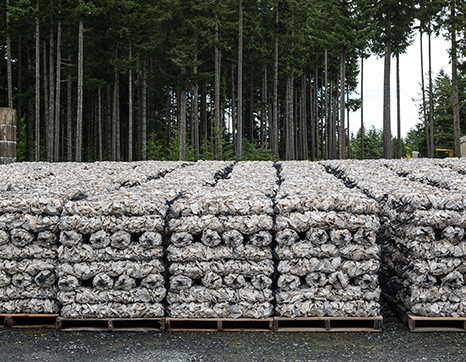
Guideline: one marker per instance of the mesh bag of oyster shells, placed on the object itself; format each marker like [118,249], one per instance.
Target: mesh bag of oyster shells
[219,252]
[423,249]
[431,172]
[325,242]
[115,270]
[28,260]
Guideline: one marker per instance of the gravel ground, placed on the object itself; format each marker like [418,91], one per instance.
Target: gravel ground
[395,343]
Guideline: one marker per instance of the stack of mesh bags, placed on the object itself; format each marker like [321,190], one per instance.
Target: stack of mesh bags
[456,164]
[424,249]
[219,236]
[325,243]
[29,215]
[431,172]
[111,254]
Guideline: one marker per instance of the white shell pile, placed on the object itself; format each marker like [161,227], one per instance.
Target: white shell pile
[109,261]
[456,164]
[230,240]
[325,241]
[219,243]
[424,251]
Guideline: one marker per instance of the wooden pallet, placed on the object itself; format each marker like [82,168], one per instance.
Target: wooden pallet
[218,325]
[329,324]
[28,320]
[429,324]
[111,324]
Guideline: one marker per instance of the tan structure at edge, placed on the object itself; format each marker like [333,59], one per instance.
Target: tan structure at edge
[463,146]
[7,135]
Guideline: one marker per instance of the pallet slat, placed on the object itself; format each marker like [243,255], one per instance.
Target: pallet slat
[329,324]
[28,320]
[429,324]
[111,324]
[218,325]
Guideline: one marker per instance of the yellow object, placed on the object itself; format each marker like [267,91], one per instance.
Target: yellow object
[451,152]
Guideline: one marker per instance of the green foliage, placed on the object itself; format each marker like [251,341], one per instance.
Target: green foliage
[156,149]
[255,152]
[443,116]
[392,21]
[373,144]
[395,148]
[211,147]
[416,141]
[168,34]
[174,150]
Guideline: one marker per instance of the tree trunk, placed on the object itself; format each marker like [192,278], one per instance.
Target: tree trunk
[79,108]
[291,149]
[333,121]
[56,150]
[138,102]
[398,106]
[296,124]
[263,128]
[341,128]
[167,121]
[130,104]
[195,113]
[117,119]
[304,147]
[290,129]
[431,96]
[239,140]
[251,106]
[37,125]
[114,108]
[46,98]
[222,122]
[322,124]
[348,143]
[8,59]
[182,106]
[30,111]
[218,109]
[144,111]
[69,152]
[313,102]
[233,107]
[51,119]
[108,121]
[217,123]
[99,97]
[326,111]
[274,128]
[387,134]
[454,84]
[20,92]
[362,107]
[424,113]
[203,113]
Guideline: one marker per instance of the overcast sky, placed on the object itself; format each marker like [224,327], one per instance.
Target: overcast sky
[410,80]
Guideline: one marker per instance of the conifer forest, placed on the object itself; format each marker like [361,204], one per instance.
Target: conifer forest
[128,80]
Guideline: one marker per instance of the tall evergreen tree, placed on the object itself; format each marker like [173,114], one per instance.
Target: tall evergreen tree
[393,21]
